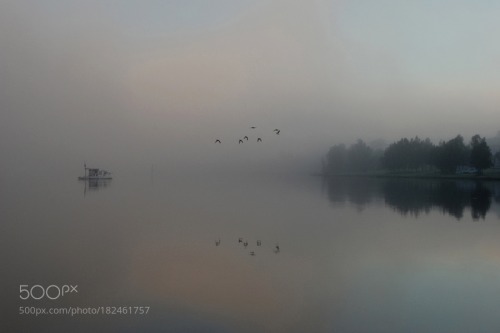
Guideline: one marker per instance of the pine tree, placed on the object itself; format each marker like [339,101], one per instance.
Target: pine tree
[480,155]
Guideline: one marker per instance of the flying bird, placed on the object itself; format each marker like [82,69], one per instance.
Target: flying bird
[217,242]
[217,141]
[259,140]
[245,137]
[241,141]
[278,132]
[253,127]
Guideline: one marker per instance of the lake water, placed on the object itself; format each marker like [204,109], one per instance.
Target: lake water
[355,254]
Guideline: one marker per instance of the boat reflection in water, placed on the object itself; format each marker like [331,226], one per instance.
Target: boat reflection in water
[93,185]
[416,196]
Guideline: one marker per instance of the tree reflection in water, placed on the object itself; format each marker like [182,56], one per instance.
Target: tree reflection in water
[414,196]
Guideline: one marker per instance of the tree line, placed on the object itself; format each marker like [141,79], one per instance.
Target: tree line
[412,154]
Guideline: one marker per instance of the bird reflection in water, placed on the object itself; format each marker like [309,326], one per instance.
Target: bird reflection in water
[276,249]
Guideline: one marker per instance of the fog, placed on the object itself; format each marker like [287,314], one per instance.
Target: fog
[135,85]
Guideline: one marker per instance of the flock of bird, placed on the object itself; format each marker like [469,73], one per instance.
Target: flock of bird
[259,139]
[243,242]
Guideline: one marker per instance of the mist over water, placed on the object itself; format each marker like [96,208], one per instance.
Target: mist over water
[143,89]
[349,248]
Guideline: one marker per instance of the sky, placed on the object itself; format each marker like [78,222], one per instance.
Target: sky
[145,83]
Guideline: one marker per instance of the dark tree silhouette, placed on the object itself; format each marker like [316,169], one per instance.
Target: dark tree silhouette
[408,154]
[336,159]
[411,155]
[360,156]
[480,154]
[449,155]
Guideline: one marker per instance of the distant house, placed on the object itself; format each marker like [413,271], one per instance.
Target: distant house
[466,170]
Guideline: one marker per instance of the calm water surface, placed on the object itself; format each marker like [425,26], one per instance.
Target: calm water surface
[355,255]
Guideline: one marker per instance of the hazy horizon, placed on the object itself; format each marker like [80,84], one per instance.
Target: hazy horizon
[239,237]
[155,83]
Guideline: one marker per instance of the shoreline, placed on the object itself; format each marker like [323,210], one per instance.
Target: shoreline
[488,176]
